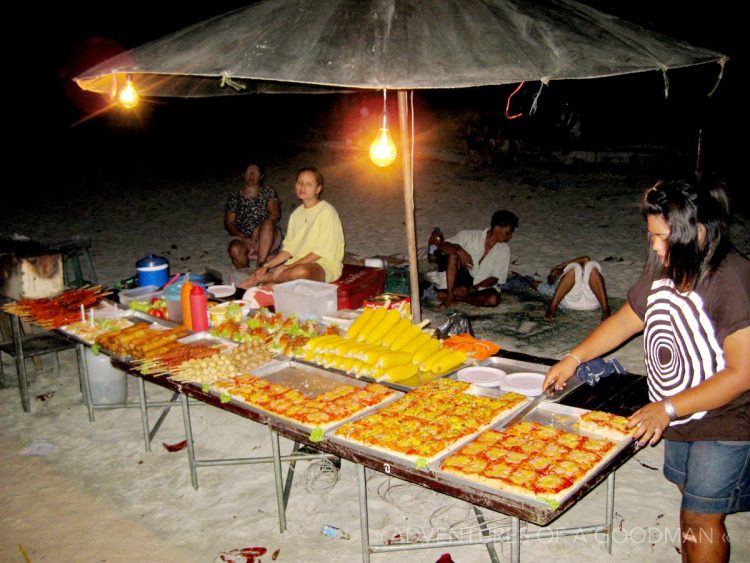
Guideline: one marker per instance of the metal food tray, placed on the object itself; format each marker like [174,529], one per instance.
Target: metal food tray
[63,330]
[548,414]
[205,338]
[395,456]
[311,381]
[138,317]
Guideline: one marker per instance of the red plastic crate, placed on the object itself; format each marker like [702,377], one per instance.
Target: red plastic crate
[358,283]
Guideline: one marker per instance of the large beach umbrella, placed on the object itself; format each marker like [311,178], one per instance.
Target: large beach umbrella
[402,45]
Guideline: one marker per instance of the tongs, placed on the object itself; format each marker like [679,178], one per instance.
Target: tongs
[549,395]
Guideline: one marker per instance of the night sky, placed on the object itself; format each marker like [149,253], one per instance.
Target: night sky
[620,111]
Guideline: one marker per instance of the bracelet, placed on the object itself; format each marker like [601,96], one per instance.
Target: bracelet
[576,358]
[669,408]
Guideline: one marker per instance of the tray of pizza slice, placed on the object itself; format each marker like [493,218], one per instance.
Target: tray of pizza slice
[305,396]
[545,458]
[429,421]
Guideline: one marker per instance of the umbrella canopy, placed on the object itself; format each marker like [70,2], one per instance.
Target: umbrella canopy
[333,45]
[284,45]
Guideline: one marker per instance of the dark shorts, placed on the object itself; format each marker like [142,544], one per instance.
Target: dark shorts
[463,277]
[715,475]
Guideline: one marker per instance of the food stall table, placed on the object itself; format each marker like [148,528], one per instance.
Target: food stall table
[621,395]
[143,404]
[23,346]
[187,391]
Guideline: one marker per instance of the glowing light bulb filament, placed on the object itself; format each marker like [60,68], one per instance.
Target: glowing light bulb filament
[129,97]
[383,149]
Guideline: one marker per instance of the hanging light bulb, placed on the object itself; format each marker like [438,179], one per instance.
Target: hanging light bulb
[382,149]
[129,97]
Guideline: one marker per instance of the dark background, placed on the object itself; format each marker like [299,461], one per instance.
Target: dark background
[627,111]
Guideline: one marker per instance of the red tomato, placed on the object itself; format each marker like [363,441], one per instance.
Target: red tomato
[154,300]
[159,313]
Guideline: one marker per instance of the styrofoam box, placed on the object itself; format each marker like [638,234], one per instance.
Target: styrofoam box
[144,293]
[305,298]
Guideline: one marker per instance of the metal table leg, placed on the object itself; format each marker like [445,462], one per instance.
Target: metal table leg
[144,412]
[290,476]
[83,376]
[189,437]
[485,532]
[23,383]
[275,448]
[515,539]
[610,510]
[364,523]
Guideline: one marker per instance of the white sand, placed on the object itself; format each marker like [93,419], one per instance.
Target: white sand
[100,497]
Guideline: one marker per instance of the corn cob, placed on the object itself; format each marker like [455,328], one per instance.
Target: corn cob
[367,353]
[328,361]
[398,373]
[353,351]
[329,346]
[398,329]
[375,319]
[341,348]
[416,343]
[448,362]
[405,337]
[308,355]
[393,359]
[346,364]
[426,350]
[356,327]
[359,368]
[429,362]
[313,343]
[372,354]
[392,316]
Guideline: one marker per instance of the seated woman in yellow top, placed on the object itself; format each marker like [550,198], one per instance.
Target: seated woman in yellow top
[313,248]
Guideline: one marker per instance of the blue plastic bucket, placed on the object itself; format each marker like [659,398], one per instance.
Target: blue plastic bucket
[152,270]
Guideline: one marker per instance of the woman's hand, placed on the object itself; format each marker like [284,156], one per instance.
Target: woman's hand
[277,271]
[559,374]
[650,422]
[255,278]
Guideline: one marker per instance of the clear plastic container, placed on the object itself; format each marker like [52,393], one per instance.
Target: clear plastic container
[144,293]
[305,298]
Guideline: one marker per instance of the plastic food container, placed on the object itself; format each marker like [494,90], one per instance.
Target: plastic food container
[144,293]
[305,298]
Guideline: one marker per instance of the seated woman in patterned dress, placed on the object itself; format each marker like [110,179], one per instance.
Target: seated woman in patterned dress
[251,217]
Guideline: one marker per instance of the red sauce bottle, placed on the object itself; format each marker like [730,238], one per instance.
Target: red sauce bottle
[198,308]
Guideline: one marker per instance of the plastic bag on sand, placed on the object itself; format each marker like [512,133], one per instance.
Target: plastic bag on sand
[457,323]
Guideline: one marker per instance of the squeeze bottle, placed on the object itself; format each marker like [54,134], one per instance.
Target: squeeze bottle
[185,303]
[198,308]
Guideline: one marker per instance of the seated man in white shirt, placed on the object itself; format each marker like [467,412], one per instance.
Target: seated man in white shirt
[477,260]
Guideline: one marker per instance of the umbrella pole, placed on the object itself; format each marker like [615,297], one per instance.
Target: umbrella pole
[409,224]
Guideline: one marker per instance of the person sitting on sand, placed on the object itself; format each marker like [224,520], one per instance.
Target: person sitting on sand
[251,216]
[313,248]
[476,260]
[575,284]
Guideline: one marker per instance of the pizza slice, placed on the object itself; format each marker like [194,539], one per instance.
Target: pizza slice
[605,424]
